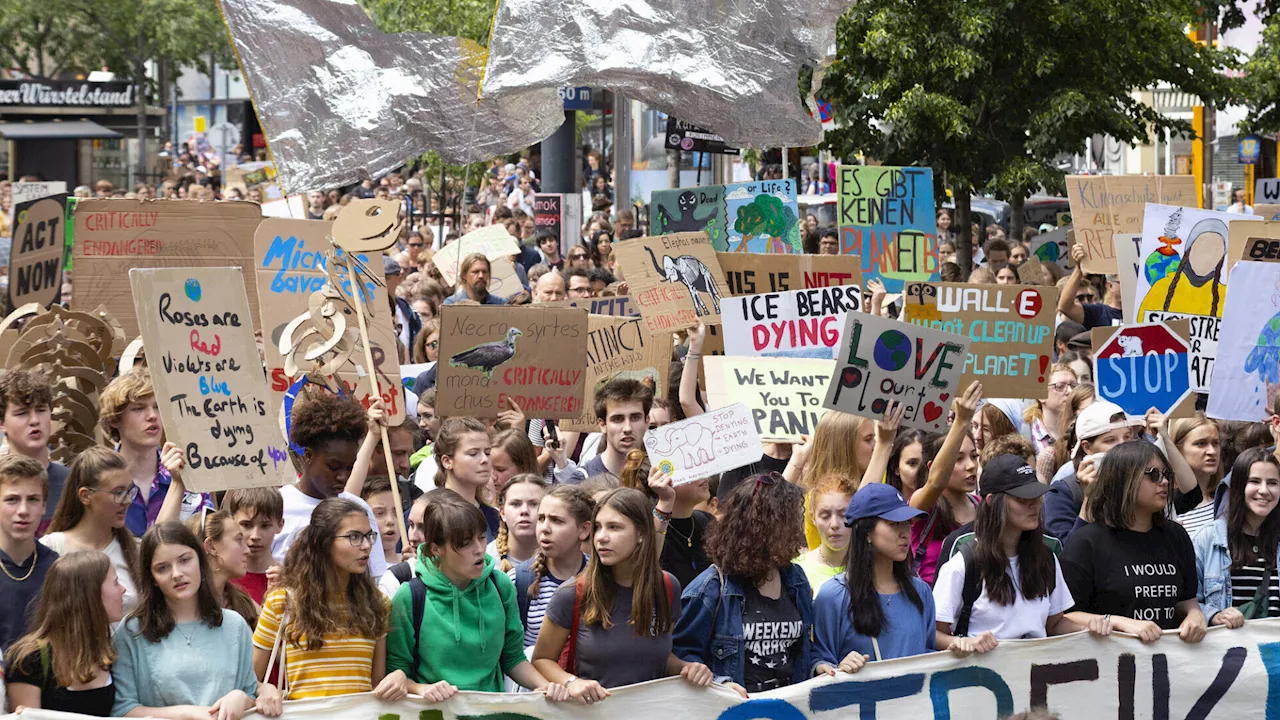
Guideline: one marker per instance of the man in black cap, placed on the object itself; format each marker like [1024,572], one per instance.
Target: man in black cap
[1007,474]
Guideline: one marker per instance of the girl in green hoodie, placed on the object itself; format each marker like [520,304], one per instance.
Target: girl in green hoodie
[469,633]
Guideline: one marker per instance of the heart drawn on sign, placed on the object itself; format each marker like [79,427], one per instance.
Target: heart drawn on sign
[943,397]
[931,412]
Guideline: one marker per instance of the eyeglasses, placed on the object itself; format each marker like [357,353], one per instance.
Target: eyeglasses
[1086,297]
[359,539]
[1063,387]
[415,244]
[122,496]
[1155,475]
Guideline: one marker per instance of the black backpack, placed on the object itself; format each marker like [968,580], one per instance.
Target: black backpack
[418,592]
[973,590]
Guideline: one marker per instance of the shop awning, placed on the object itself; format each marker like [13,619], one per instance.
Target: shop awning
[70,130]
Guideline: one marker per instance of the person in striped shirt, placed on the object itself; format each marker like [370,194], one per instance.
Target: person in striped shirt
[328,647]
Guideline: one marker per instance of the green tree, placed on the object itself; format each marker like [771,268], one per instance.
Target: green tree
[470,19]
[985,89]
[765,215]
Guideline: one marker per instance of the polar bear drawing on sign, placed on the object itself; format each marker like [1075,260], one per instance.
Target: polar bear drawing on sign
[1132,345]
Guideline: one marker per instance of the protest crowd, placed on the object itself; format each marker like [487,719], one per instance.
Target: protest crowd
[571,563]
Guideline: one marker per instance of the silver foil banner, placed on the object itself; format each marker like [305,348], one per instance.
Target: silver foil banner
[727,65]
[336,96]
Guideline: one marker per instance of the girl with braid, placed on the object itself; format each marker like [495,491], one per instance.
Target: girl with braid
[518,502]
[564,524]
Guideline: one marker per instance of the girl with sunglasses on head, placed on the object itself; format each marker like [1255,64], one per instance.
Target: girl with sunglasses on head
[64,663]
[181,656]
[1236,572]
[1131,569]
[91,514]
[617,618]
[749,617]
[326,622]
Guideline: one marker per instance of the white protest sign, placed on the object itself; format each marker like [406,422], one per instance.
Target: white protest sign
[1247,369]
[1053,247]
[1127,270]
[882,360]
[1204,342]
[797,324]
[492,241]
[784,394]
[1266,191]
[1184,260]
[1076,677]
[705,445]
[27,191]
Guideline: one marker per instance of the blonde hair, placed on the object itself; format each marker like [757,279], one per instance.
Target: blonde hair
[119,395]
[834,448]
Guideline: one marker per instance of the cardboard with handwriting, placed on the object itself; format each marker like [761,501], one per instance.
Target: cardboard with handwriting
[289,266]
[1010,329]
[784,394]
[705,445]
[675,279]
[752,273]
[533,355]
[1255,241]
[198,330]
[114,236]
[492,241]
[619,305]
[620,347]
[35,254]
[1106,204]
[798,323]
[882,360]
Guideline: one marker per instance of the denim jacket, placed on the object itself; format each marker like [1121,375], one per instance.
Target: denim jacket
[710,627]
[1213,568]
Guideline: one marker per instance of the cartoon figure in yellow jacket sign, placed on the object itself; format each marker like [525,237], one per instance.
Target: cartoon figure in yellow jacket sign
[1183,266]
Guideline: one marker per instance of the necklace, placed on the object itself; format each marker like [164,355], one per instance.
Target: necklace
[35,555]
[687,538]
[187,637]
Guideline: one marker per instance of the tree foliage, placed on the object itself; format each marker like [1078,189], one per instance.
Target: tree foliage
[469,19]
[990,91]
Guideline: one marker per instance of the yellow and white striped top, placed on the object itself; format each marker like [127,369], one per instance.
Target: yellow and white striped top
[343,665]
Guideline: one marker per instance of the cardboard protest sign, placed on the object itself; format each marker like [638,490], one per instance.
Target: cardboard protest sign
[1128,268]
[35,255]
[1247,369]
[1183,260]
[198,331]
[289,265]
[620,305]
[752,273]
[1266,191]
[492,354]
[114,236]
[675,279]
[784,394]
[1143,366]
[1203,331]
[1256,242]
[21,192]
[705,445]
[1106,204]
[1009,327]
[882,360]
[620,347]
[503,280]
[762,217]
[1270,213]
[797,324]
[699,209]
[887,218]
[1053,246]
[492,241]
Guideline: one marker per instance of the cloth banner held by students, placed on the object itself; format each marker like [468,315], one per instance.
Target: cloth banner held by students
[1078,676]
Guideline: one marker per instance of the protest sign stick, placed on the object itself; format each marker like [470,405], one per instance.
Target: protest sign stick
[371,376]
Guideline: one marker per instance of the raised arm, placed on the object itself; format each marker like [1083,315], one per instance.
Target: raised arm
[886,432]
[940,469]
[1068,305]
[689,378]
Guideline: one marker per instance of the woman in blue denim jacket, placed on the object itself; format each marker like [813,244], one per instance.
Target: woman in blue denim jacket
[749,617]
[1237,553]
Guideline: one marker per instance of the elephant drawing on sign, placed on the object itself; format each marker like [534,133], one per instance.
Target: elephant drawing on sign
[693,274]
[686,441]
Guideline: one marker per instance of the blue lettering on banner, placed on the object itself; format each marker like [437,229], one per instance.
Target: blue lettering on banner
[942,683]
[288,256]
[762,709]
[864,694]
[1270,654]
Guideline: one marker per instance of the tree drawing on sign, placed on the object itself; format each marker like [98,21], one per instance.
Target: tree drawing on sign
[690,272]
[767,215]
[684,441]
[688,220]
[488,356]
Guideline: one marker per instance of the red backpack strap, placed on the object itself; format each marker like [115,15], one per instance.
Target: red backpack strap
[671,590]
[569,656]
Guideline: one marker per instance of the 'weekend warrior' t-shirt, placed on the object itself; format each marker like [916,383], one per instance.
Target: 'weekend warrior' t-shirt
[771,630]
[1141,575]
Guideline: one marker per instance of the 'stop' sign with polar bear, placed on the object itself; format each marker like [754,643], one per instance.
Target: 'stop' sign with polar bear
[1143,366]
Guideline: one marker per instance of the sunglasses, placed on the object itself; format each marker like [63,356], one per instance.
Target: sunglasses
[577,256]
[1086,297]
[1155,475]
[415,244]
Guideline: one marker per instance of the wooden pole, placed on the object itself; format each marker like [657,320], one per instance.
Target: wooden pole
[373,390]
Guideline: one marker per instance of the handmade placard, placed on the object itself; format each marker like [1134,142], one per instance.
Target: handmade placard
[705,445]
[1256,242]
[619,305]
[1184,260]
[1105,204]
[784,394]
[887,218]
[533,355]
[1203,338]
[1053,246]
[290,265]
[1247,369]
[881,360]
[35,255]
[198,330]
[797,324]
[762,217]
[492,241]
[1009,327]
[1143,366]
[675,279]
[620,347]
[1128,267]
[752,273]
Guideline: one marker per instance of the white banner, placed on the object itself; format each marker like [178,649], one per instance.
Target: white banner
[1078,676]
[797,324]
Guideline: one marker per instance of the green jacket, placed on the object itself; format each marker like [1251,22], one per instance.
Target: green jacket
[423,453]
[469,637]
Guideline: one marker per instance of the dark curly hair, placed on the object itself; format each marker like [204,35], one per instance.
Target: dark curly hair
[761,528]
[25,388]
[323,417]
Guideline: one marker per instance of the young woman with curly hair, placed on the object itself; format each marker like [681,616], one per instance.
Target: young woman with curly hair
[750,616]
[332,439]
[64,663]
[179,655]
[327,621]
